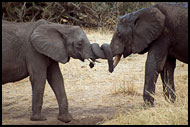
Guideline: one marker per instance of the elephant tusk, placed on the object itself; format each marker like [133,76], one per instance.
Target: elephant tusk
[97,61]
[91,61]
[116,60]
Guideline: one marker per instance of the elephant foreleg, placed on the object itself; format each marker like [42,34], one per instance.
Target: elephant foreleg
[151,75]
[154,65]
[56,82]
[167,76]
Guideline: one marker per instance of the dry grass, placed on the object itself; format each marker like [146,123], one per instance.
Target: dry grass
[96,96]
[127,88]
[164,113]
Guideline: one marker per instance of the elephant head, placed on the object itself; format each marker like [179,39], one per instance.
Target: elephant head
[135,32]
[60,42]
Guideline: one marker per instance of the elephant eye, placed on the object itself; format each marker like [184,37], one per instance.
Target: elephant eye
[118,34]
[79,44]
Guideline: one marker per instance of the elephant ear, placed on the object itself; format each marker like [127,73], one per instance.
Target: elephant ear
[148,25]
[47,40]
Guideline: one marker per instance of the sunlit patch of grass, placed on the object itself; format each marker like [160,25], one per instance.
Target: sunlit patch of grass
[160,115]
[164,112]
[127,88]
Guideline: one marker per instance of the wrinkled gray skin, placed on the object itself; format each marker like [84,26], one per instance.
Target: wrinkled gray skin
[104,52]
[34,49]
[162,31]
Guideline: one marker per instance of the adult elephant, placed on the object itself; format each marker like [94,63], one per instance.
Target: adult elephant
[160,30]
[34,49]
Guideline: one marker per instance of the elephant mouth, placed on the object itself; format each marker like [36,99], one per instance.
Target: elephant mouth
[92,62]
[117,57]
[127,51]
[79,56]
[81,59]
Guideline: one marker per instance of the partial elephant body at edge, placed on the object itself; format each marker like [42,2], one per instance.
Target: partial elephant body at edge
[160,30]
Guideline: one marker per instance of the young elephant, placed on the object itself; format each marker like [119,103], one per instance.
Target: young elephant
[162,31]
[34,49]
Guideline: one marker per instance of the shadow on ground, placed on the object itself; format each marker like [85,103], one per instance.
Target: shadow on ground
[81,116]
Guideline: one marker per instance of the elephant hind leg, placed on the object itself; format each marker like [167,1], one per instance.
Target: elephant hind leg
[38,85]
[37,70]
[167,76]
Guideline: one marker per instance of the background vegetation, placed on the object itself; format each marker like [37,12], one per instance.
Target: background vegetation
[85,14]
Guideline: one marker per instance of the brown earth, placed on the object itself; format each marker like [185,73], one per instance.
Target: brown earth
[94,95]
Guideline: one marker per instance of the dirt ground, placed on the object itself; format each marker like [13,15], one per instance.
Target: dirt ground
[94,95]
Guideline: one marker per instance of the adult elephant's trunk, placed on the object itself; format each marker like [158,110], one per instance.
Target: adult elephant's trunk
[104,52]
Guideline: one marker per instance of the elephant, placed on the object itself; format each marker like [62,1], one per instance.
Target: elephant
[161,31]
[34,49]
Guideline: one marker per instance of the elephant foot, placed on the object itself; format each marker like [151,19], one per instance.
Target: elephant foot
[149,105]
[148,101]
[65,117]
[170,97]
[38,117]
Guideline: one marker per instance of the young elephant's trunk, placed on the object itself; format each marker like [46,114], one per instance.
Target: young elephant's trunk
[104,52]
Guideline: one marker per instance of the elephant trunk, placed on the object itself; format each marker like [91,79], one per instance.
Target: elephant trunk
[104,52]
[99,53]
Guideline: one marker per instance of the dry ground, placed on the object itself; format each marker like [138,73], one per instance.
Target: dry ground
[98,97]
